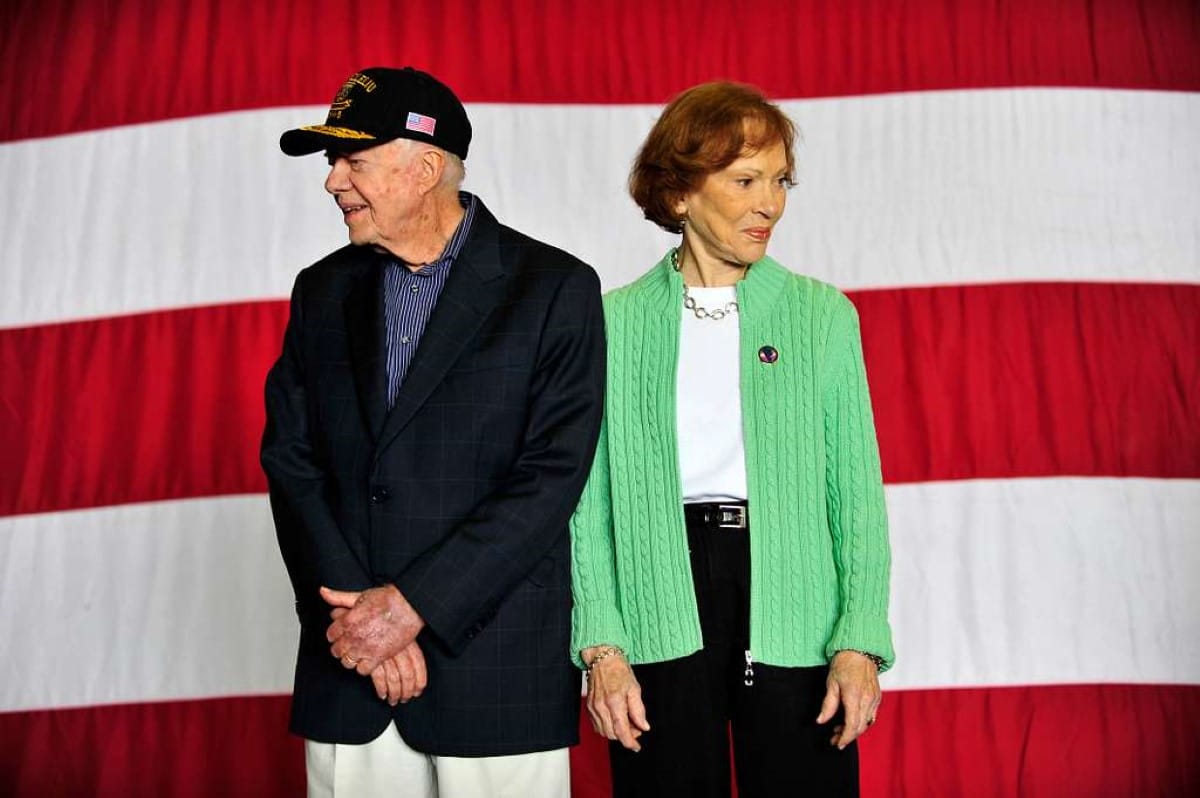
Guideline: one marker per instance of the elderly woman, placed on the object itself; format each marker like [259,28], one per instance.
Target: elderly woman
[730,550]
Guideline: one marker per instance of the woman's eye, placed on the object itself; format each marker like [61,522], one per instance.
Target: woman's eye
[744,182]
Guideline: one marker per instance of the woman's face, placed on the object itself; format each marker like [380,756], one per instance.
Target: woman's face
[731,215]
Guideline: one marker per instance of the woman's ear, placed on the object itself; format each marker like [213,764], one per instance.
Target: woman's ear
[681,207]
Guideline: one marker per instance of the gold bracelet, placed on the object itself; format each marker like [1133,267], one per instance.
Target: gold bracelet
[607,651]
[875,658]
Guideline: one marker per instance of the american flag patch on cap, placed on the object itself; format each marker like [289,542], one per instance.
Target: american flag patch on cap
[420,123]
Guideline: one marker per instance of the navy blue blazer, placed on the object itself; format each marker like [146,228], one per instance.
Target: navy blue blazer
[460,495]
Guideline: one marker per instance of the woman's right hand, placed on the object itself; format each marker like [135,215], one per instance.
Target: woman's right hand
[614,699]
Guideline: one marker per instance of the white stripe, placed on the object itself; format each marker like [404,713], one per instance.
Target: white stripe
[1042,581]
[144,602]
[903,189]
[1001,582]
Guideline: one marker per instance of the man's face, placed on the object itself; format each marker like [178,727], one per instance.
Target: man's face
[376,190]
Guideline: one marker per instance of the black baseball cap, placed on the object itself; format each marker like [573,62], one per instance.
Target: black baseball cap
[380,104]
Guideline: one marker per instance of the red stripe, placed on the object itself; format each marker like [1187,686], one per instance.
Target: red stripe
[234,747]
[1054,741]
[1035,742]
[70,65]
[1028,380]
[968,381]
[161,405]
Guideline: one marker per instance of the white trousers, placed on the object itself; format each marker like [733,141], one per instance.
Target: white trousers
[386,767]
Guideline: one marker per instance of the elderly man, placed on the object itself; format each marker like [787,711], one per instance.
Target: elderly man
[430,425]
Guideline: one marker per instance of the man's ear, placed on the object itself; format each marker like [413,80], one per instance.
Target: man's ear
[432,164]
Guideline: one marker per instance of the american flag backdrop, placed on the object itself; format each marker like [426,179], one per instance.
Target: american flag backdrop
[1008,189]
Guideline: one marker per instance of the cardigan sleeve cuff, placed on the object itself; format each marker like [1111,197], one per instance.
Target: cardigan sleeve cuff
[863,633]
[596,623]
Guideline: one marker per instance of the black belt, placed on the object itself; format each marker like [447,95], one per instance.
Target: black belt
[717,515]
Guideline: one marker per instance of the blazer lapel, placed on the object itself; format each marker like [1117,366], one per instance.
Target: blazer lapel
[465,301]
[364,327]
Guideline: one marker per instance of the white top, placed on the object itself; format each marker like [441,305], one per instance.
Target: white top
[712,451]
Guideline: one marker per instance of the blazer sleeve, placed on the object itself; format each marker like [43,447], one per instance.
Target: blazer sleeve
[854,489]
[313,548]
[457,585]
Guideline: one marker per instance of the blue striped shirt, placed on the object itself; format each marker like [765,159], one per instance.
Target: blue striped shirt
[409,298]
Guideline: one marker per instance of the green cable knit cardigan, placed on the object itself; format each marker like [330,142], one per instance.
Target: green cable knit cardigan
[819,556]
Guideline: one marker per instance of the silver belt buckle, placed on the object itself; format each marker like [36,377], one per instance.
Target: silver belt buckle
[733,516]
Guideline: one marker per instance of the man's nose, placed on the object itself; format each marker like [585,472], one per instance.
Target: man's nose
[336,181]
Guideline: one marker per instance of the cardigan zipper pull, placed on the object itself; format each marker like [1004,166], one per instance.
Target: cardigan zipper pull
[749,675]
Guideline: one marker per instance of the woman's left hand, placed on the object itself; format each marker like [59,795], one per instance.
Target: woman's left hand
[853,683]
[614,699]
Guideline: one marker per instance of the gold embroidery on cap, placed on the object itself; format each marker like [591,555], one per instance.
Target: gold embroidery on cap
[339,132]
[342,101]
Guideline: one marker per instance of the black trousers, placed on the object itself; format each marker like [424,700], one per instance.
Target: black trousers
[696,704]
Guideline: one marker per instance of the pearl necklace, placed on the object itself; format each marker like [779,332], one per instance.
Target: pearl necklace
[689,302]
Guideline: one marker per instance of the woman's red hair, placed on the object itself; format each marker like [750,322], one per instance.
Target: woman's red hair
[702,131]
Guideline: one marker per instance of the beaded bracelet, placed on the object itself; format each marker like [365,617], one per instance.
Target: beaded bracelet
[878,660]
[607,651]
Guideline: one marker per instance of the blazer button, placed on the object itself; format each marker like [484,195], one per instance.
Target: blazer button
[379,494]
